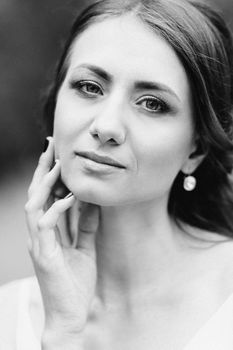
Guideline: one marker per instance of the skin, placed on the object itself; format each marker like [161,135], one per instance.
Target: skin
[114,121]
[126,129]
[121,273]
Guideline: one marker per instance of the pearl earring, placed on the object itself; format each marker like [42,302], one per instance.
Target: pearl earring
[189,183]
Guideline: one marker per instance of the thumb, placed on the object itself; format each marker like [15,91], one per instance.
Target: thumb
[87,228]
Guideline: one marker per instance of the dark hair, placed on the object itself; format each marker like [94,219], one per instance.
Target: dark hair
[202,41]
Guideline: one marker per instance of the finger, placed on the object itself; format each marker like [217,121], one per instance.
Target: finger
[72,217]
[44,165]
[57,235]
[50,218]
[46,243]
[32,218]
[43,191]
[34,208]
[47,224]
[33,247]
[87,228]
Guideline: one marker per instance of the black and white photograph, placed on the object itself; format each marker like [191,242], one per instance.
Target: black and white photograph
[116,181]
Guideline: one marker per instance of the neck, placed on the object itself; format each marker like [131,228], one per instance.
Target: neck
[135,245]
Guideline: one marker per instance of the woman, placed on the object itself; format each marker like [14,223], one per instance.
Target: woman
[140,125]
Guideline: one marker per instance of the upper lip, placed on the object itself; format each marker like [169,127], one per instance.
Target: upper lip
[101,159]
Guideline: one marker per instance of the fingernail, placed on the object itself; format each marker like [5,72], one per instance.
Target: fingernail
[46,143]
[29,243]
[56,163]
[69,195]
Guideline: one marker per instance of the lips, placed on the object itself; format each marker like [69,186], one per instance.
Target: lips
[101,159]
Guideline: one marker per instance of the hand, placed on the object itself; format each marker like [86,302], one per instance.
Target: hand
[66,276]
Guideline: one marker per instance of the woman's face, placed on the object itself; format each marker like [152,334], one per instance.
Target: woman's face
[126,96]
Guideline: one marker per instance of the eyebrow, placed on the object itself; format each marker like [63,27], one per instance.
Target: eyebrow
[138,85]
[97,70]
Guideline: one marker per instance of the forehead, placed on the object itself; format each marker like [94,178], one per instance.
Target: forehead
[128,49]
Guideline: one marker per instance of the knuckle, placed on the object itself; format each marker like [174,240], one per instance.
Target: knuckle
[41,263]
[56,208]
[42,159]
[57,205]
[30,191]
[42,224]
[48,180]
[45,178]
[28,208]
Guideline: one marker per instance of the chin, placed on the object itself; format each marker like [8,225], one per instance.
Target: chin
[91,195]
[95,198]
[94,193]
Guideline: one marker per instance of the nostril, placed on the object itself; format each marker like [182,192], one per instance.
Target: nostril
[112,140]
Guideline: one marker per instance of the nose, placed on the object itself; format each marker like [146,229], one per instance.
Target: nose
[108,124]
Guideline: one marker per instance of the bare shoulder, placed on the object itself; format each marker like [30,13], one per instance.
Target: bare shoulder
[18,298]
[212,254]
[15,293]
[217,255]
[224,259]
[10,292]
[9,306]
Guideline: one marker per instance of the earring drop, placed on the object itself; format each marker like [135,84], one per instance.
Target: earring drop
[189,183]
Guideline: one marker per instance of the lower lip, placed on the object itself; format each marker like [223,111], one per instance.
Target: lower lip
[99,168]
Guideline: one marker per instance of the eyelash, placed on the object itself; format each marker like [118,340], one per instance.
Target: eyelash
[163,107]
[78,85]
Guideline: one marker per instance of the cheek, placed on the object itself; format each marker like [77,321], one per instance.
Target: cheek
[162,154]
[68,123]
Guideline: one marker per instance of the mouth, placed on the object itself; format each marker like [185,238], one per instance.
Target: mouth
[101,159]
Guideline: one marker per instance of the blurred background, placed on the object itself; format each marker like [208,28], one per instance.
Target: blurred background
[32,33]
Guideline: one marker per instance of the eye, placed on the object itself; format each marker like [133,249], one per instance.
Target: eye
[88,88]
[153,104]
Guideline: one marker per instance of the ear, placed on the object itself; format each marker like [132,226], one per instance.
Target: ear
[195,158]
